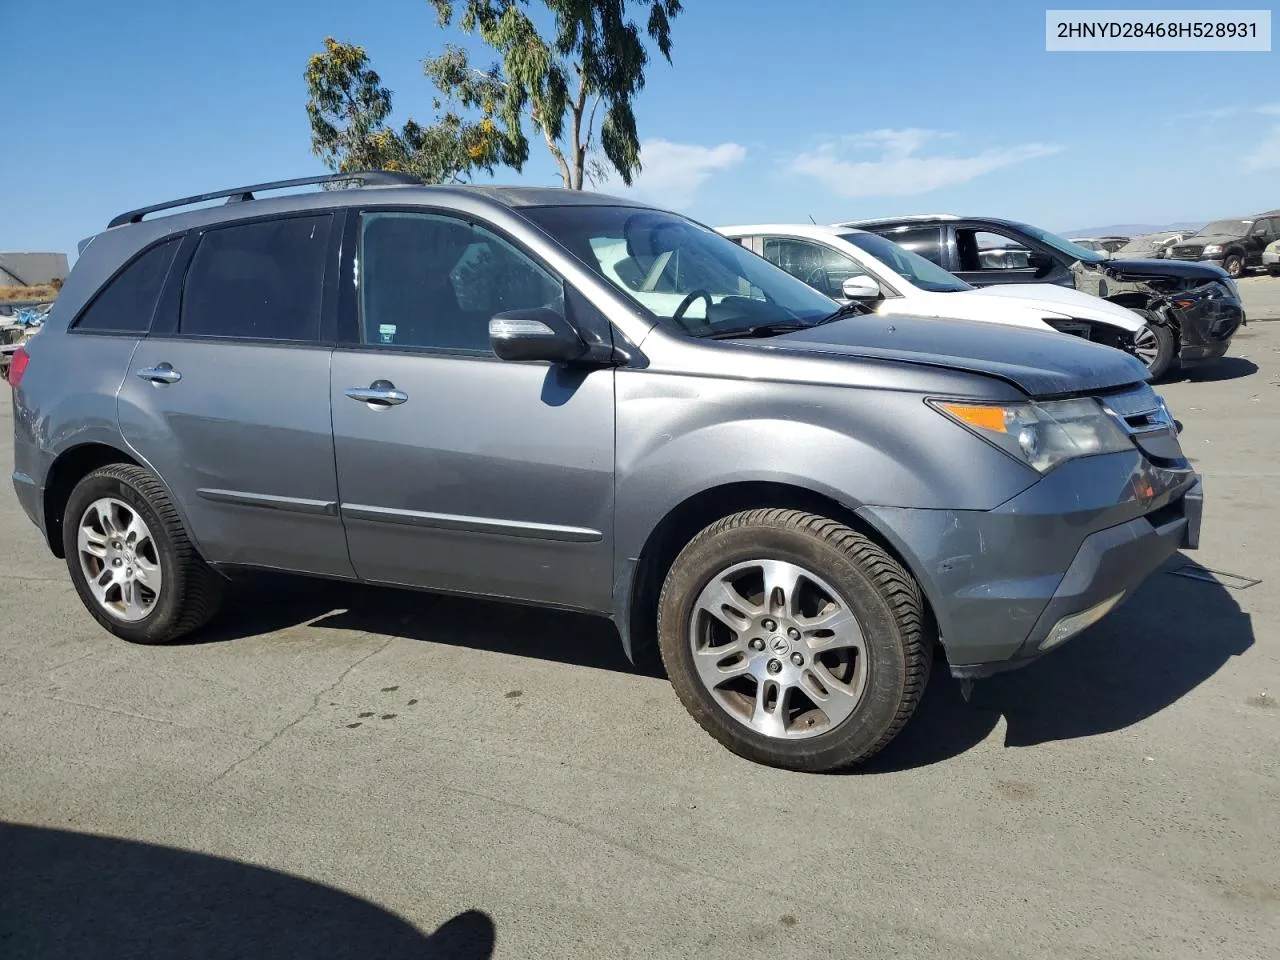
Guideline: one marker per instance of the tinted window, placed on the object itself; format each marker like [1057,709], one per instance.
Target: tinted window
[922,241]
[259,281]
[431,281]
[817,265]
[127,302]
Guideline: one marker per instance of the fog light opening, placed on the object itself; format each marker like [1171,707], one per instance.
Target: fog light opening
[1069,626]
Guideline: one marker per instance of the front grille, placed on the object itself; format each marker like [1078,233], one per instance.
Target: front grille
[1185,253]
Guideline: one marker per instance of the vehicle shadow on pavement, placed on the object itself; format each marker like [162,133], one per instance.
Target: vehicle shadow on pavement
[1167,639]
[263,603]
[1225,368]
[65,894]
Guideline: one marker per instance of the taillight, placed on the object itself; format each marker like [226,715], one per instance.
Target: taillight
[18,366]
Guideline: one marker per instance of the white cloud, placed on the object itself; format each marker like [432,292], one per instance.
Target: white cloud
[1223,113]
[899,169]
[1266,155]
[671,173]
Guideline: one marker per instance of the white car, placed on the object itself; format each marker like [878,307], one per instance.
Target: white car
[849,264]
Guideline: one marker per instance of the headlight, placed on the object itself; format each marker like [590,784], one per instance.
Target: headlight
[1041,435]
[1212,249]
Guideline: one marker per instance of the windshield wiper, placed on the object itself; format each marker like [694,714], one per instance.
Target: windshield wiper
[851,309]
[758,330]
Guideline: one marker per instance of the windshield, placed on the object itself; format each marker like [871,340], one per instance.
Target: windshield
[923,273]
[1073,250]
[1230,228]
[664,263]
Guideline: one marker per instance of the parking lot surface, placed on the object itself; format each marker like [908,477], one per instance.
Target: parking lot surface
[336,771]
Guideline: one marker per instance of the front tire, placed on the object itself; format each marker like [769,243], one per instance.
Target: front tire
[131,561]
[1157,347]
[1233,263]
[793,640]
[1273,269]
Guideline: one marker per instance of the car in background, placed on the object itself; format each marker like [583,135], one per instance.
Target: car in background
[1235,244]
[1103,245]
[1194,308]
[855,265]
[1149,246]
[1271,258]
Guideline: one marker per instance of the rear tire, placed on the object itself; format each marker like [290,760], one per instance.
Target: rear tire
[843,656]
[131,561]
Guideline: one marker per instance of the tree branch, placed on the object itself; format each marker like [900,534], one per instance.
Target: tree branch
[554,147]
[579,151]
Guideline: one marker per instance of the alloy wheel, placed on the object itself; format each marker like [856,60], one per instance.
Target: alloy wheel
[778,648]
[119,558]
[1146,346]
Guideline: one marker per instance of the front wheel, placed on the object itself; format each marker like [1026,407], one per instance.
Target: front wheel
[1233,263]
[1273,269]
[131,561]
[793,640]
[1156,346]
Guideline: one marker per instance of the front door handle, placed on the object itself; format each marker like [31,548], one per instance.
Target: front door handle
[380,393]
[161,373]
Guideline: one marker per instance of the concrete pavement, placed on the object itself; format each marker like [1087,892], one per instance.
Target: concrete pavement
[334,771]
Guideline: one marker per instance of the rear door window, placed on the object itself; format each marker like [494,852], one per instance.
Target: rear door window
[258,281]
[127,303]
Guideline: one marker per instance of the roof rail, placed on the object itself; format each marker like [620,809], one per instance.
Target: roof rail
[239,194]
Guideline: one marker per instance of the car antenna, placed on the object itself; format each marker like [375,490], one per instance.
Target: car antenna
[813,221]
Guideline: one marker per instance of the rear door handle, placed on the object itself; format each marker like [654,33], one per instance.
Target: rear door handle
[162,373]
[381,393]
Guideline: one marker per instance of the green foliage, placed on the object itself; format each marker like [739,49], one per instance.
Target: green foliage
[594,54]
[348,108]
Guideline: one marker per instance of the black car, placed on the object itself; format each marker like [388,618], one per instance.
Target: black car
[1234,244]
[1192,309]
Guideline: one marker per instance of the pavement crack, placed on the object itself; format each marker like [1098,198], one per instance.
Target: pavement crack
[315,702]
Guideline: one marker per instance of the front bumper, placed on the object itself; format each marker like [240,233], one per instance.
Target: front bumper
[1207,325]
[1000,581]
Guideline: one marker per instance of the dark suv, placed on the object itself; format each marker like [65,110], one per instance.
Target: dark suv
[1235,245]
[576,401]
[1193,309]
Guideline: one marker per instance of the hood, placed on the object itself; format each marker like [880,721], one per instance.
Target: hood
[1203,239]
[1046,298]
[1040,363]
[1181,269]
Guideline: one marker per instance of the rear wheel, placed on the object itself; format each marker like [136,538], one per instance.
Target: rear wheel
[131,561]
[1233,263]
[1156,346]
[793,640]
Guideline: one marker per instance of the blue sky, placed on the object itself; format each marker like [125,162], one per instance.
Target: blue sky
[771,111]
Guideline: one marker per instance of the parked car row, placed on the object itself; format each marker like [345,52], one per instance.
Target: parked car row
[1166,314]
[1235,244]
[584,402]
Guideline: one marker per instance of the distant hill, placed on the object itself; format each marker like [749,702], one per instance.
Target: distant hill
[1130,229]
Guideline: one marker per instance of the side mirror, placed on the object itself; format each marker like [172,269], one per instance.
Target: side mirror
[860,288]
[540,333]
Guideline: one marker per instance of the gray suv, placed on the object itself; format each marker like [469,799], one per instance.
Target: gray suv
[583,402]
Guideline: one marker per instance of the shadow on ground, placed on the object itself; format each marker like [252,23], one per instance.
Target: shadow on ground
[65,894]
[1166,640]
[1224,368]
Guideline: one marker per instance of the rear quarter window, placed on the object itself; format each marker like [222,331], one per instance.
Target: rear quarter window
[128,301]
